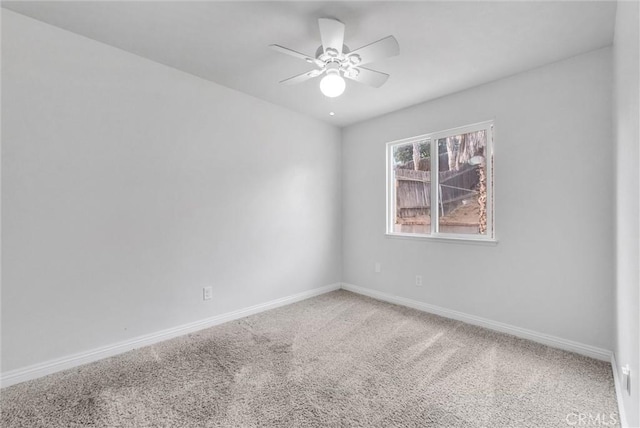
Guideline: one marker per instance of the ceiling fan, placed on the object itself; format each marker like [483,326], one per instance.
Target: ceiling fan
[334,59]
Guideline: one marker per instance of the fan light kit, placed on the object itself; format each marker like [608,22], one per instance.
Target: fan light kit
[332,85]
[336,62]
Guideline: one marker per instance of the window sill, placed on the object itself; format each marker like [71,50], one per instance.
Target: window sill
[449,239]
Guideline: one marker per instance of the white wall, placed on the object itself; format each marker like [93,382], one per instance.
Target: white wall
[627,138]
[552,270]
[127,186]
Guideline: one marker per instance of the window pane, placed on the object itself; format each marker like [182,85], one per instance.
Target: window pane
[411,164]
[462,183]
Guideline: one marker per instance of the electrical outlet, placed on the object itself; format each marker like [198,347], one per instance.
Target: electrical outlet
[626,378]
[207,293]
[418,280]
[378,268]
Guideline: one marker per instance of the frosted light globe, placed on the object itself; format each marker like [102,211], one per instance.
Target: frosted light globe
[332,85]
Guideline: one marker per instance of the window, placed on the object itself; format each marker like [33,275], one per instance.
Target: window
[456,166]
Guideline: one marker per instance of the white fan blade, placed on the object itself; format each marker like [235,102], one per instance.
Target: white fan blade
[375,51]
[332,34]
[301,77]
[369,77]
[307,58]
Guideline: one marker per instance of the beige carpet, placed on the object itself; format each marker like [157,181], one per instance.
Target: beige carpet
[337,360]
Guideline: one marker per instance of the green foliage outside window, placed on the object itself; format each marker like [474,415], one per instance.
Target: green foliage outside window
[404,154]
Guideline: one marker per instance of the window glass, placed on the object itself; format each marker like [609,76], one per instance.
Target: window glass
[411,166]
[462,183]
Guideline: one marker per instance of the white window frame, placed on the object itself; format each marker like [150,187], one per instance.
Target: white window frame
[490,236]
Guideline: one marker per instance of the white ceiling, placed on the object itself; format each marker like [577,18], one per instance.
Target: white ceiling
[445,47]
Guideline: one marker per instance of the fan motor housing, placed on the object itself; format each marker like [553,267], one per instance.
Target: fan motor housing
[320,51]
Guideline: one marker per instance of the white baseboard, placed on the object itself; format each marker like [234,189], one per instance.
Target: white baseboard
[619,391]
[48,367]
[42,369]
[554,342]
